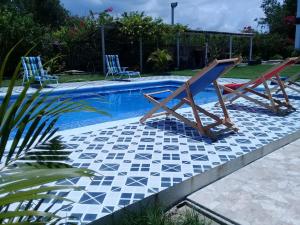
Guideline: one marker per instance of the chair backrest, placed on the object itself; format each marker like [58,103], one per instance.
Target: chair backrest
[32,66]
[113,63]
[207,76]
[275,70]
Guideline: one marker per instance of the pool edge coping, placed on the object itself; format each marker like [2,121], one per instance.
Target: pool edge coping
[94,84]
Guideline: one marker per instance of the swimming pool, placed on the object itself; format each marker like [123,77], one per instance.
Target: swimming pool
[120,101]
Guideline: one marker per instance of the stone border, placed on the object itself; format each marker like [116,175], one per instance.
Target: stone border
[173,195]
[220,219]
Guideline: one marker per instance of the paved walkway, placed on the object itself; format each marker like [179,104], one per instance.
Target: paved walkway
[264,192]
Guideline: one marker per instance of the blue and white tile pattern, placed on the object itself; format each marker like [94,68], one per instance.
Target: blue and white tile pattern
[134,160]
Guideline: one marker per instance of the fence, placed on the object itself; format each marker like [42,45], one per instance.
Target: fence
[189,50]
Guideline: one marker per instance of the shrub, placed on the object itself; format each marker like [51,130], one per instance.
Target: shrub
[277,57]
[160,60]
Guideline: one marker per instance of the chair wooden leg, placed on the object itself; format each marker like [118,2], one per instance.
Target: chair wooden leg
[152,111]
[233,94]
[177,106]
[282,89]
[221,100]
[270,97]
[157,104]
[249,98]
[195,111]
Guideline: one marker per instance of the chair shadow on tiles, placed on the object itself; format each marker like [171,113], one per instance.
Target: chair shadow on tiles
[293,97]
[257,110]
[171,126]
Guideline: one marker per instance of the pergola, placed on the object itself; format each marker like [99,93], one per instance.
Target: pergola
[230,37]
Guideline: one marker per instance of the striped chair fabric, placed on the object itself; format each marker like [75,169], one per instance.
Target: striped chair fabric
[114,68]
[33,69]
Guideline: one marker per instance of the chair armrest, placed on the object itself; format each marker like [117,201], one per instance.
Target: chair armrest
[112,68]
[46,74]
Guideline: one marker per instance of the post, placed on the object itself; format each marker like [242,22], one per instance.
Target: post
[206,53]
[141,54]
[173,6]
[251,48]
[103,49]
[230,47]
[206,49]
[297,37]
[178,50]
[172,15]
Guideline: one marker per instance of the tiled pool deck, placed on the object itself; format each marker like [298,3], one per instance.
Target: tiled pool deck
[135,161]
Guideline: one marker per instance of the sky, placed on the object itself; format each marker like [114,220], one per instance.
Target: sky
[216,15]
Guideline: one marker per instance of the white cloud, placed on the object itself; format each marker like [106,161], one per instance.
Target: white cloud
[219,15]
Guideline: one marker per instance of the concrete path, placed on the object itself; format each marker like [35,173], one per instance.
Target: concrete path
[264,192]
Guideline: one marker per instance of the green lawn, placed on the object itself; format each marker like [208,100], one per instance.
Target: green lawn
[247,72]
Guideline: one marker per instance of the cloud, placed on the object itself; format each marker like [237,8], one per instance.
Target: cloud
[219,15]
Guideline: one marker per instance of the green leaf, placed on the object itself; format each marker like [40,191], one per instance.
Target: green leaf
[36,177]
[3,65]
[23,196]
[27,223]
[12,214]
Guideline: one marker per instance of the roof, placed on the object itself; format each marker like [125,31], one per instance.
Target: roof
[220,33]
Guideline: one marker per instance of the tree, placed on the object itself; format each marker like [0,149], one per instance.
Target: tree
[279,21]
[48,12]
[136,25]
[279,17]
[45,12]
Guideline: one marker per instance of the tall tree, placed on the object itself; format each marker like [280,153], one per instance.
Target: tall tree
[279,17]
[49,12]
[45,12]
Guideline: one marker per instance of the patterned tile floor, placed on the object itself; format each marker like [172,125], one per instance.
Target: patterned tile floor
[134,161]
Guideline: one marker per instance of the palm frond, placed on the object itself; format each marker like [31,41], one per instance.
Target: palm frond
[33,159]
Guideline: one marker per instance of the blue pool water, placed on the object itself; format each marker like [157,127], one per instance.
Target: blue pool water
[120,101]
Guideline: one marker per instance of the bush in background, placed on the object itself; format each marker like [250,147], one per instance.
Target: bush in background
[160,60]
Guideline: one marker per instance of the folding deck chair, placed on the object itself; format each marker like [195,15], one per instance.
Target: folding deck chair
[114,68]
[236,91]
[33,69]
[186,94]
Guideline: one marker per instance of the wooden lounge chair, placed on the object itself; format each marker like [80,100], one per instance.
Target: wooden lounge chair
[185,94]
[236,91]
[33,70]
[114,68]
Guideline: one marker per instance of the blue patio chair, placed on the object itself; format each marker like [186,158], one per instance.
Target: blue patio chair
[114,68]
[185,94]
[33,70]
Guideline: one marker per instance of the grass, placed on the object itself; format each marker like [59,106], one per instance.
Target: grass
[246,72]
[156,216]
